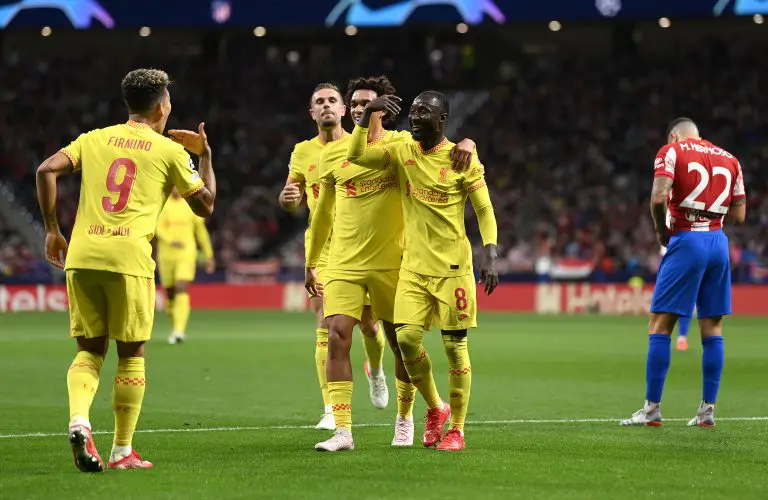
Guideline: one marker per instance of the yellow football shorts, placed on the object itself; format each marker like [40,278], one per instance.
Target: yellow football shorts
[345,293]
[175,269]
[450,303]
[103,303]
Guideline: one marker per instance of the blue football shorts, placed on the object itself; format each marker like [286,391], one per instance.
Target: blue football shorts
[696,271]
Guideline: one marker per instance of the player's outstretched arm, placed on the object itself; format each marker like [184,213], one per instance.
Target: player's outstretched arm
[47,174]
[662,185]
[358,152]
[202,201]
[486,219]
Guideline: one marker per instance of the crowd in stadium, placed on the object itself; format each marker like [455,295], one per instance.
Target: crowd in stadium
[568,141]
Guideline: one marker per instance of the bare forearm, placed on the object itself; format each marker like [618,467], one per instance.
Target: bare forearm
[46,197]
[490,251]
[659,213]
[207,175]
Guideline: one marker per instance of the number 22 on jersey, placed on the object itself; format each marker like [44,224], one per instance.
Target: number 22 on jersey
[717,207]
[120,179]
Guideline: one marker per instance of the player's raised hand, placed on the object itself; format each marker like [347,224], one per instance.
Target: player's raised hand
[489,277]
[194,142]
[389,104]
[56,249]
[310,281]
[461,155]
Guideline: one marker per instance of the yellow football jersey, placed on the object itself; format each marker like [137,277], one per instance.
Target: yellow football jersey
[304,169]
[434,197]
[180,231]
[127,174]
[368,222]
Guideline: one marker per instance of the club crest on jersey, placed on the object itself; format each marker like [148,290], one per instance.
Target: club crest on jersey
[345,164]
[410,162]
[312,168]
[443,175]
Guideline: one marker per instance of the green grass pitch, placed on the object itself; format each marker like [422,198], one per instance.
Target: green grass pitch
[229,415]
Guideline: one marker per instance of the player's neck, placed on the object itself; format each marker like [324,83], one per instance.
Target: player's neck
[330,135]
[427,143]
[146,121]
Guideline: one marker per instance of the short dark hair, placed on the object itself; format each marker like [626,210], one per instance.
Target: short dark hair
[322,86]
[379,84]
[677,122]
[442,99]
[144,88]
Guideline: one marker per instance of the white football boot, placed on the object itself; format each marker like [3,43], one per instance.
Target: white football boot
[403,432]
[650,415]
[340,441]
[705,416]
[377,385]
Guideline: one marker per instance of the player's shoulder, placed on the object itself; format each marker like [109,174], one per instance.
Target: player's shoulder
[308,146]
[396,136]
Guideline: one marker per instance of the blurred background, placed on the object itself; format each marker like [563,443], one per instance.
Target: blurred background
[568,101]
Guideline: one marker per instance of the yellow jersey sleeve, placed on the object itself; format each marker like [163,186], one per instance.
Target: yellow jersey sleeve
[183,174]
[74,151]
[373,157]
[321,222]
[477,190]
[296,166]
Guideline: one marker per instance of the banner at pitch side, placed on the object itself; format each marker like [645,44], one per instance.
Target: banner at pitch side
[548,298]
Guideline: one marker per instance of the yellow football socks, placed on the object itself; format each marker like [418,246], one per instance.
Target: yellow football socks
[180,312]
[417,363]
[321,355]
[127,396]
[460,380]
[82,383]
[374,343]
[341,402]
[406,395]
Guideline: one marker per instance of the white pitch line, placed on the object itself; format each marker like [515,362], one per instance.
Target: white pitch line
[298,427]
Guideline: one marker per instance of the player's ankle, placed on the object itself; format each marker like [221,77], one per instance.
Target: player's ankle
[80,421]
[121,450]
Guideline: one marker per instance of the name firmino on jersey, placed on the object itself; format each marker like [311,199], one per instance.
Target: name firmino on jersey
[122,142]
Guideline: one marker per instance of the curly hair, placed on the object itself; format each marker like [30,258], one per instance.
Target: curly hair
[143,88]
[379,84]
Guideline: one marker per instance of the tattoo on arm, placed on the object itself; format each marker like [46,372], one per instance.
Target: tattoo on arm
[659,196]
[738,203]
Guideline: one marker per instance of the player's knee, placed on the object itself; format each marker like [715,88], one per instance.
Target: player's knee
[130,349]
[711,327]
[340,334]
[182,287]
[662,323]
[170,293]
[97,346]
[408,337]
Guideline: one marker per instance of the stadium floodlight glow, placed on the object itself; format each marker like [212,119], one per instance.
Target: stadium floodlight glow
[293,57]
[664,22]
[350,30]
[259,31]
[462,28]
[758,19]
[555,26]
[145,31]
[46,31]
